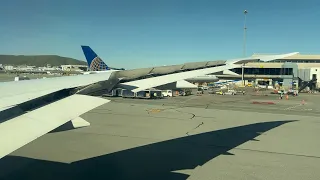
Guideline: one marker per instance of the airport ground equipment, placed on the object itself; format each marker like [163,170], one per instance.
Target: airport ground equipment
[167,93]
[144,94]
[211,90]
[310,84]
[149,94]
[127,93]
[20,78]
[220,92]
[114,93]
[200,90]
[231,92]
[185,92]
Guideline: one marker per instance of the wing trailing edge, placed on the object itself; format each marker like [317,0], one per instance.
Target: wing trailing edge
[34,124]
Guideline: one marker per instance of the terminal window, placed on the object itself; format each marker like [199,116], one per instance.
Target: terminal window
[286,71]
[294,61]
[259,71]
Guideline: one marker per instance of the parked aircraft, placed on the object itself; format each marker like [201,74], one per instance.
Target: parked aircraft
[30,109]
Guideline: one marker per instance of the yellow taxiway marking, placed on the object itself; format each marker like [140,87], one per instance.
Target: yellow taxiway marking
[154,110]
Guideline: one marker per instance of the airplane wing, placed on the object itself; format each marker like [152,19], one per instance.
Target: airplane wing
[25,128]
[170,74]
[32,108]
[143,84]
[16,92]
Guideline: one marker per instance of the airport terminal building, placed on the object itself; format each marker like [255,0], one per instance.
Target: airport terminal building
[275,67]
[290,71]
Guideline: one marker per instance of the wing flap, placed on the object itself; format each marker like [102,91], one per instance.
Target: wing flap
[23,129]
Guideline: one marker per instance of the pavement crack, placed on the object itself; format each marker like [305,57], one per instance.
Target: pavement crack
[199,125]
[192,114]
[195,128]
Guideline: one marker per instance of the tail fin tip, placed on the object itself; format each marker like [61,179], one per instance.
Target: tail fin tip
[95,63]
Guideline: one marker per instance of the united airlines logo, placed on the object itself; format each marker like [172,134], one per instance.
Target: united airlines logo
[97,65]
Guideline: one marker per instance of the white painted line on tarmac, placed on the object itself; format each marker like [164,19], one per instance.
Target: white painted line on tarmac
[292,107]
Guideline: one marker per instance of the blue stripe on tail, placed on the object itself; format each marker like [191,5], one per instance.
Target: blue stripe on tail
[95,63]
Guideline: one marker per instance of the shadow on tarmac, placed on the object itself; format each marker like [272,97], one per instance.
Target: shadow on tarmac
[153,161]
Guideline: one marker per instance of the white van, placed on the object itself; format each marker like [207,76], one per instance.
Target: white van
[167,93]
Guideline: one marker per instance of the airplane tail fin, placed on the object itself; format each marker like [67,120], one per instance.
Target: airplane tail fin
[95,63]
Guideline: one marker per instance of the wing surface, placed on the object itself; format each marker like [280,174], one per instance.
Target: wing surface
[165,79]
[23,129]
[16,92]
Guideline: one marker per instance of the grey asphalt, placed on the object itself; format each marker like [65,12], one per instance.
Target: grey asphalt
[193,137]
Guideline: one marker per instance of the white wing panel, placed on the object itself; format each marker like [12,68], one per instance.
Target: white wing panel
[160,80]
[23,129]
[9,101]
[16,92]
[185,85]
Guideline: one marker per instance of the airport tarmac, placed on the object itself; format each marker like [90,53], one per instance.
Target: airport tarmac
[192,137]
[305,104]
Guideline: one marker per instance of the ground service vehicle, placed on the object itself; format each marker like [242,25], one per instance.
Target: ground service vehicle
[167,93]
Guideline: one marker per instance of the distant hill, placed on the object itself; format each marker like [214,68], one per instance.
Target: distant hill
[41,60]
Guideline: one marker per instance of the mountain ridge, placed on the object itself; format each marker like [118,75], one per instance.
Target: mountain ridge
[39,60]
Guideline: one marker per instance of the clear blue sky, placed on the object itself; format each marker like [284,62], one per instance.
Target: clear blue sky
[144,33]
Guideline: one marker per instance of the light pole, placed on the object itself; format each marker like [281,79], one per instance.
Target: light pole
[244,32]
[244,44]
